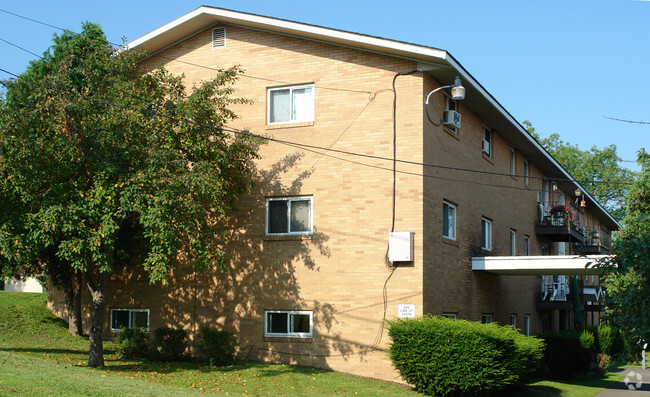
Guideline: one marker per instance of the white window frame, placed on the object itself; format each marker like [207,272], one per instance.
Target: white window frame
[513,242]
[453,316]
[527,324]
[486,318]
[513,321]
[130,318]
[526,172]
[450,104]
[290,314]
[513,161]
[526,245]
[447,233]
[486,133]
[291,104]
[486,234]
[290,200]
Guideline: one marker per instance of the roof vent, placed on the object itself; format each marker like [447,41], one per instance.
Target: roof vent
[218,37]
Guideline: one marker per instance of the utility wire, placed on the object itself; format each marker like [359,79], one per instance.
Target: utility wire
[324,150]
[330,149]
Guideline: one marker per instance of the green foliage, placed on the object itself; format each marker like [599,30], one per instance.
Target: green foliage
[168,344]
[608,340]
[568,353]
[445,357]
[628,279]
[133,342]
[104,164]
[592,167]
[218,347]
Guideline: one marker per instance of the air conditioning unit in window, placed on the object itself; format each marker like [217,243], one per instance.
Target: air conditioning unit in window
[451,118]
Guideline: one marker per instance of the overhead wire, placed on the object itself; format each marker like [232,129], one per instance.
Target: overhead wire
[371,94]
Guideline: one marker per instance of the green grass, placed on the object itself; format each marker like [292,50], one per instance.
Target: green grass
[39,358]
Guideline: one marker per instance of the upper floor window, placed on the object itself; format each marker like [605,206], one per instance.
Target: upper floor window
[289,215]
[486,234]
[449,220]
[526,245]
[451,105]
[526,172]
[512,161]
[291,104]
[288,323]
[486,141]
[121,318]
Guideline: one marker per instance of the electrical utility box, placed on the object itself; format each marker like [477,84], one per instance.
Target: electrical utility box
[400,247]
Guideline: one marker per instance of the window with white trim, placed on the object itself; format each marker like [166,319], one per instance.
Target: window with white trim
[486,141]
[527,324]
[513,242]
[486,318]
[291,104]
[526,171]
[513,321]
[450,105]
[452,316]
[486,234]
[526,245]
[448,220]
[121,318]
[289,323]
[289,215]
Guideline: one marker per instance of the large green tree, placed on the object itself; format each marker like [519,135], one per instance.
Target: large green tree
[628,279]
[598,170]
[101,161]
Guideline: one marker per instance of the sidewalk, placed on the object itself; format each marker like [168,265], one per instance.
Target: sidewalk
[635,383]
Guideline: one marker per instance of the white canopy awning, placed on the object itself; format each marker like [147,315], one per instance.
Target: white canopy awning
[538,265]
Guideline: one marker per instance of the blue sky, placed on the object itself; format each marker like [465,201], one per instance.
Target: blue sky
[563,65]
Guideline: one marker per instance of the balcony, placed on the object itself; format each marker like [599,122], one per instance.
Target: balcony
[596,242]
[559,223]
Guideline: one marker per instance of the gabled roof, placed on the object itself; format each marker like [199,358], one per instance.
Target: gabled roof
[438,63]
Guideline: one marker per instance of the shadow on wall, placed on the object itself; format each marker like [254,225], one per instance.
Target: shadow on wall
[262,275]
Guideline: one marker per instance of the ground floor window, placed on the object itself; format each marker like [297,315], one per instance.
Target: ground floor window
[527,324]
[121,318]
[288,323]
[513,321]
[486,318]
[453,316]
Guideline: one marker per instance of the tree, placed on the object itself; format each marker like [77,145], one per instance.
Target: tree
[628,278]
[104,164]
[597,170]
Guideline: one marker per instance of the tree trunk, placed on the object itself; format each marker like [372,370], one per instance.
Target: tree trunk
[73,305]
[96,356]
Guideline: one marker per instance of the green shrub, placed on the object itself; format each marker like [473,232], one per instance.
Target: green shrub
[603,362]
[132,342]
[445,357]
[217,346]
[568,353]
[169,344]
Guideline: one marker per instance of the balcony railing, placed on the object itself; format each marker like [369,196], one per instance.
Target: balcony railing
[596,242]
[554,288]
[559,222]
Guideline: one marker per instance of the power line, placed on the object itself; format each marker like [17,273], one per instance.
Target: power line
[460,169]
[324,150]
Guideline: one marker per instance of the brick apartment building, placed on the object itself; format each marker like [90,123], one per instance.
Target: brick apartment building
[489,223]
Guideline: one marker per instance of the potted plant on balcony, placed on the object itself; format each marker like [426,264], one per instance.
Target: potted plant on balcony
[558,215]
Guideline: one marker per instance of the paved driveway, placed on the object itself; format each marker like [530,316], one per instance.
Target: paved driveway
[636,383]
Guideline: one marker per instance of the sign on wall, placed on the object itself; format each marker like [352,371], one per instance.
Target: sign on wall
[405,311]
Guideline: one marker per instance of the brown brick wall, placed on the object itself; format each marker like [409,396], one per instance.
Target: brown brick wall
[339,271]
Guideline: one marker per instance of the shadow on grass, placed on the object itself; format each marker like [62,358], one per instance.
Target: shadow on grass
[264,369]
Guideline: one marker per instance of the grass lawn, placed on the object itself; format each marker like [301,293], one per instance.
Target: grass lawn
[39,358]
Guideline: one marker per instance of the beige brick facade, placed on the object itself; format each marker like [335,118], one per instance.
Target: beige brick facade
[339,272]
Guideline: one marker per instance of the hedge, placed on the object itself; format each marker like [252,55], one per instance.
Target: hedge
[446,357]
